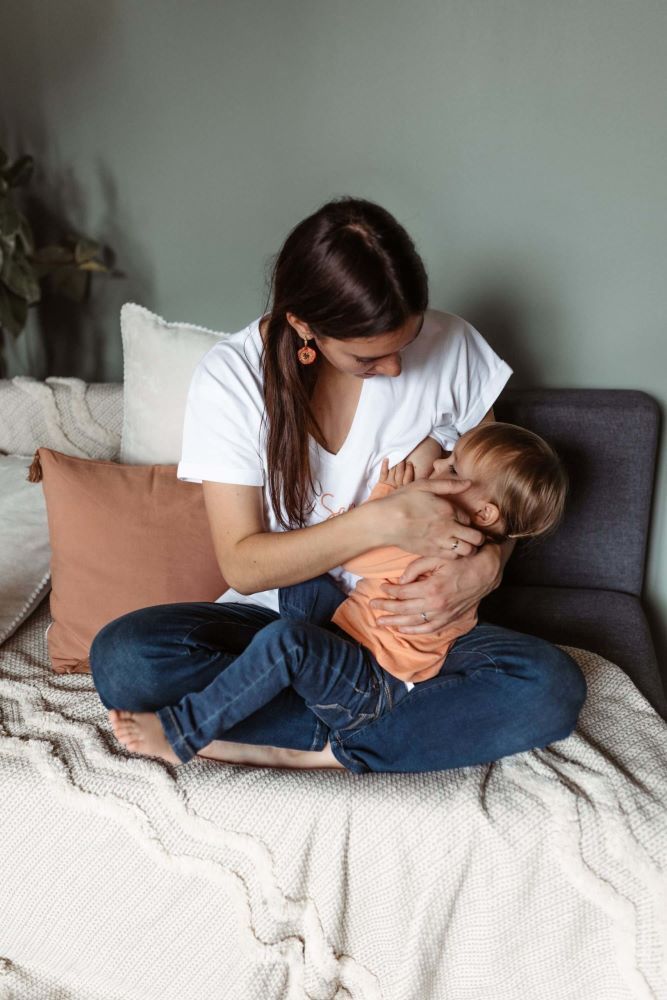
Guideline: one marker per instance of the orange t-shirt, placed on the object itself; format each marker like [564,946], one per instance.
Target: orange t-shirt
[408,657]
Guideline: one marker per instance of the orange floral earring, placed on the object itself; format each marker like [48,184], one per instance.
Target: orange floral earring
[306,354]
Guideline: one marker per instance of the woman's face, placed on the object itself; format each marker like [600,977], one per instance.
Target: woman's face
[364,356]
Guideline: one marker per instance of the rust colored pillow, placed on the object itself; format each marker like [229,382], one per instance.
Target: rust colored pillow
[122,537]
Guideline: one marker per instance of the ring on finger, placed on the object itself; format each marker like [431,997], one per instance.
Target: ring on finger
[456,544]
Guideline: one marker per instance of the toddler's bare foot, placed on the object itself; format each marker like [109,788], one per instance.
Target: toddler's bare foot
[142,732]
[80,667]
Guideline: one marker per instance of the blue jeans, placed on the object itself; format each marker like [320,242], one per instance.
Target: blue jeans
[340,682]
[498,692]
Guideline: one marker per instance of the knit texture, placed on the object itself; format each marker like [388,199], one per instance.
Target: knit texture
[76,417]
[541,876]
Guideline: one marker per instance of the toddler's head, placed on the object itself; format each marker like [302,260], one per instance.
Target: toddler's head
[518,483]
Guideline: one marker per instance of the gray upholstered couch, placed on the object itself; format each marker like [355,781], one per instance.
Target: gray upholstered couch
[583,586]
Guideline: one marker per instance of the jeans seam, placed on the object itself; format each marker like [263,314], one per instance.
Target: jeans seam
[477,652]
[319,725]
[350,762]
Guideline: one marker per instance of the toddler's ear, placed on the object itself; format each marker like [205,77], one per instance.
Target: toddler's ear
[486,515]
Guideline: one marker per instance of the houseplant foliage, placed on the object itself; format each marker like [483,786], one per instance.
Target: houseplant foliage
[66,267]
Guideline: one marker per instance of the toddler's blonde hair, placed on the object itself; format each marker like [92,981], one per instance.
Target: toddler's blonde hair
[529,483]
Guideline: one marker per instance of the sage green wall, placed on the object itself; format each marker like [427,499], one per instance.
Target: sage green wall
[521,142]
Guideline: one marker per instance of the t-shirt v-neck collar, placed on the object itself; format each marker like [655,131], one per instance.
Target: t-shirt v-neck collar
[327,456]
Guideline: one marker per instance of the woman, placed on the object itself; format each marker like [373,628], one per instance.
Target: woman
[286,425]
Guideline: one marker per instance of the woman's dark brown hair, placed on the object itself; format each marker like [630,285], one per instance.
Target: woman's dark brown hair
[349,270]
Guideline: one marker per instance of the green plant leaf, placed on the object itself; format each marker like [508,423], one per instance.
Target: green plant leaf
[25,236]
[13,311]
[85,250]
[18,277]
[93,265]
[20,172]
[8,244]
[10,220]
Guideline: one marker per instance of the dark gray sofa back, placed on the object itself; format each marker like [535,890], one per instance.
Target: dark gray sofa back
[607,439]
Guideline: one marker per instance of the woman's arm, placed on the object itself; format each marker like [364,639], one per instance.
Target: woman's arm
[252,559]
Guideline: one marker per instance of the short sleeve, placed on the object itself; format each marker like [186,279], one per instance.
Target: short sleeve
[221,426]
[471,382]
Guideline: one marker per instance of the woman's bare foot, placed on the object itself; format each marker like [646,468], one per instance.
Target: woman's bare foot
[142,732]
[264,756]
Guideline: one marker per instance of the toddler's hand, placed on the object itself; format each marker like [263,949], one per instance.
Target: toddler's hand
[399,475]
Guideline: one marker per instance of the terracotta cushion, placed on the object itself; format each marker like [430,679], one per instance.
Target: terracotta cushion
[122,537]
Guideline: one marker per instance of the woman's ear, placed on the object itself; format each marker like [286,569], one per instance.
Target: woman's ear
[300,327]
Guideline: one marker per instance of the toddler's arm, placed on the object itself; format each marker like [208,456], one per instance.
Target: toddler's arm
[424,455]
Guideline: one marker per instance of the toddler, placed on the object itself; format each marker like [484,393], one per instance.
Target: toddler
[517,490]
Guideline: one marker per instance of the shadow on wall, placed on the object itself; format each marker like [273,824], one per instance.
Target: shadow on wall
[63,337]
[500,319]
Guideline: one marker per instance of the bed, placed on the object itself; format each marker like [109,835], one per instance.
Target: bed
[542,875]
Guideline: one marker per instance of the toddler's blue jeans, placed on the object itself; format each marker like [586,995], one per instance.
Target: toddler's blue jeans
[341,682]
[498,693]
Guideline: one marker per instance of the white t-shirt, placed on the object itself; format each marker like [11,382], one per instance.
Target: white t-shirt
[450,378]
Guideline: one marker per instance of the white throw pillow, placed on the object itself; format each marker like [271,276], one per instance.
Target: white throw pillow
[159,359]
[25,553]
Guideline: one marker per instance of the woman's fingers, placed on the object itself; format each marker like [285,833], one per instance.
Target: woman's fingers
[467,537]
[419,567]
[431,524]
[405,617]
[446,486]
[406,606]
[459,548]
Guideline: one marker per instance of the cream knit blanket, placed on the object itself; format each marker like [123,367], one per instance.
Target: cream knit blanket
[539,877]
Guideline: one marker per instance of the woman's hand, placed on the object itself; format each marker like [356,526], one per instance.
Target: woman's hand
[443,590]
[418,516]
